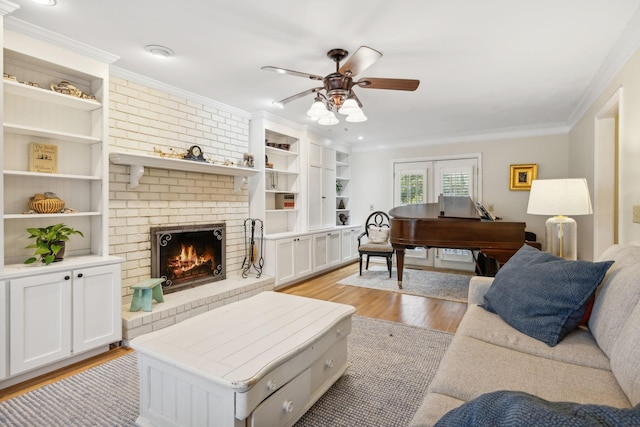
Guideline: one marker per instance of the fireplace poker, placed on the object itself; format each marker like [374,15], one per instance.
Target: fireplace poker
[250,248]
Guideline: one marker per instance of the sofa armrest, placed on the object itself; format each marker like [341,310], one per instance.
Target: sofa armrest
[478,286]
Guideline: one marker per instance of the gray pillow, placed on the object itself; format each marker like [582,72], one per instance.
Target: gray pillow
[542,295]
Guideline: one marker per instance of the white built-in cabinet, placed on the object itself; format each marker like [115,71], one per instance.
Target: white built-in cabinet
[56,314]
[289,258]
[326,247]
[350,243]
[321,185]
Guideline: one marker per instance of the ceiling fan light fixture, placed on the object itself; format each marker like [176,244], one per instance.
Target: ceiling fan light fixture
[317,110]
[328,120]
[356,117]
[350,106]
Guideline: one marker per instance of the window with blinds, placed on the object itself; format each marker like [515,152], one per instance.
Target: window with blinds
[411,188]
[456,183]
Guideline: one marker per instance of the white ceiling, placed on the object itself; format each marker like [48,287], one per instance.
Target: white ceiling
[485,66]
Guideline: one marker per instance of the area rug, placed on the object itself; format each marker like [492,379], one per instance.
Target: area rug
[391,366]
[432,284]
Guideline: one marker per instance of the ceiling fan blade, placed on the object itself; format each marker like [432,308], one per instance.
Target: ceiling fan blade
[293,73]
[362,59]
[297,96]
[392,84]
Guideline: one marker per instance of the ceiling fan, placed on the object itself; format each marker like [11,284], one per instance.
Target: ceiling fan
[338,86]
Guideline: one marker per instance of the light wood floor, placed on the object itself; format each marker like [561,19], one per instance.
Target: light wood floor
[394,306]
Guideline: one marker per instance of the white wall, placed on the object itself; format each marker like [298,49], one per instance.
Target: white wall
[374,182]
[582,148]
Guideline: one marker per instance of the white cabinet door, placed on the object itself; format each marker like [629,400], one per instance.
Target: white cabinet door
[285,260]
[4,324]
[315,197]
[40,320]
[350,243]
[320,258]
[333,248]
[328,197]
[302,256]
[96,307]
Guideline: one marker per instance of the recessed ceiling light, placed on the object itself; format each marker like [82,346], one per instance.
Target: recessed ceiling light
[45,2]
[361,137]
[159,51]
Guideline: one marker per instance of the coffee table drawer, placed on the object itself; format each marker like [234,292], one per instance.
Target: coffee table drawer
[285,405]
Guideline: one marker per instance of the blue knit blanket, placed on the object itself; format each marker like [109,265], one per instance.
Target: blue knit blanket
[513,408]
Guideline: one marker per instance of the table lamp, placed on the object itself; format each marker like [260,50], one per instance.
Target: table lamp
[560,197]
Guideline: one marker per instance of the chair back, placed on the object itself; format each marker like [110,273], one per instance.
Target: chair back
[376,222]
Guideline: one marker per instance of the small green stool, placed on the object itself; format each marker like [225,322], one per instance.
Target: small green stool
[144,292]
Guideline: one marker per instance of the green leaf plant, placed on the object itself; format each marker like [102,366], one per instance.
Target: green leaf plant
[49,241]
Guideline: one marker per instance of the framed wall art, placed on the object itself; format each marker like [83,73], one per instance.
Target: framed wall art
[521,176]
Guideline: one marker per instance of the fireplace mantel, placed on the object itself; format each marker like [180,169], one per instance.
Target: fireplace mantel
[137,163]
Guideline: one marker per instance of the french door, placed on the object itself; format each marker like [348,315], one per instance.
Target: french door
[422,182]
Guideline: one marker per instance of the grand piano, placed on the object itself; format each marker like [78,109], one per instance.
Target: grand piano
[452,222]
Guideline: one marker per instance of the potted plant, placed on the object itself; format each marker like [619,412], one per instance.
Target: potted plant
[50,242]
[338,187]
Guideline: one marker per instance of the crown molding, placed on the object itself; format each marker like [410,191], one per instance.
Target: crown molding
[619,54]
[164,87]
[546,129]
[265,115]
[7,7]
[56,39]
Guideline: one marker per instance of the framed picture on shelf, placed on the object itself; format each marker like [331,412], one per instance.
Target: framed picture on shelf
[521,176]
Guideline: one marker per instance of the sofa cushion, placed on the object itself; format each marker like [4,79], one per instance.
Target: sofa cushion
[625,357]
[617,296]
[578,347]
[542,295]
[505,407]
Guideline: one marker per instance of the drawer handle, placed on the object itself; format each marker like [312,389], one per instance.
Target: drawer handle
[329,363]
[288,406]
[272,385]
[340,332]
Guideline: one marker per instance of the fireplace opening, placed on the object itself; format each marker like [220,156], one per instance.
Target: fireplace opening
[188,256]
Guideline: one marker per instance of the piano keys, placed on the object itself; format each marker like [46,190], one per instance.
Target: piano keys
[452,222]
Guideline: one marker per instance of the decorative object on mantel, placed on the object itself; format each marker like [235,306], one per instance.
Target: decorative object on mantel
[67,88]
[250,250]
[46,203]
[194,153]
[343,218]
[248,160]
[50,242]
[171,154]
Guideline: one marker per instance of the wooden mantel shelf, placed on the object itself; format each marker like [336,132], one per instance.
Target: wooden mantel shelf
[137,163]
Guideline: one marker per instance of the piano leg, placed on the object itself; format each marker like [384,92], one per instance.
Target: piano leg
[400,264]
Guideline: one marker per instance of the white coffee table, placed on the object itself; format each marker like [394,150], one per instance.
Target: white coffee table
[262,361]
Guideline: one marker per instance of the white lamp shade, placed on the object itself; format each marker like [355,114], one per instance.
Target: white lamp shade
[350,106]
[329,119]
[559,197]
[356,117]
[317,110]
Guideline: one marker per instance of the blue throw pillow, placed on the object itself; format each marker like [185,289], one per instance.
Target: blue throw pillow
[515,408]
[542,295]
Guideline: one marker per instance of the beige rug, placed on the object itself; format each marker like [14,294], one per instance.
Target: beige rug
[432,284]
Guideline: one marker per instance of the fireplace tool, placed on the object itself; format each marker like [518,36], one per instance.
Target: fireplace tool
[250,249]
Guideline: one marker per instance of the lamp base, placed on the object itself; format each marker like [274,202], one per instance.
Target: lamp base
[561,237]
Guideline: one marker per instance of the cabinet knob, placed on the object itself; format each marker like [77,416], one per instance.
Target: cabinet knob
[67,277]
[328,363]
[80,274]
[340,332]
[288,406]
[272,385]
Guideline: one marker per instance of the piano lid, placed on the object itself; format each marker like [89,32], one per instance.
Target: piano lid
[452,207]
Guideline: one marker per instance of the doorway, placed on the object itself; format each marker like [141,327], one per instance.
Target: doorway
[421,182]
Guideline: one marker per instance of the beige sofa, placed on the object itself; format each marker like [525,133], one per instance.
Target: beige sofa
[599,365]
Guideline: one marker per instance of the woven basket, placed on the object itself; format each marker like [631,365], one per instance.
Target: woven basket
[46,205]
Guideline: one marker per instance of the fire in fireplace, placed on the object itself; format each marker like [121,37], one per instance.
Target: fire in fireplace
[188,256]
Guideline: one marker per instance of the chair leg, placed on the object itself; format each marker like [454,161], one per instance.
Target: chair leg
[368,261]
[361,264]
[389,266]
